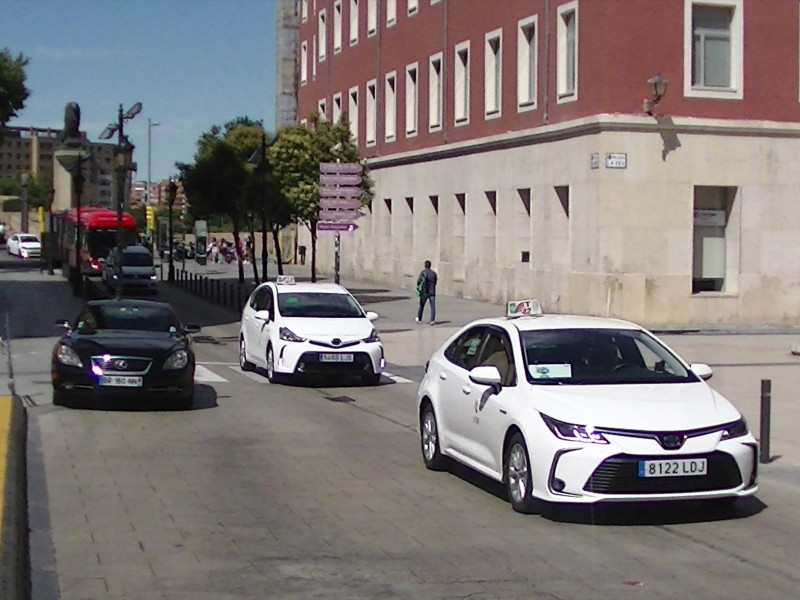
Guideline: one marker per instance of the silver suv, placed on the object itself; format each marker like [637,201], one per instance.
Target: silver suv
[137,271]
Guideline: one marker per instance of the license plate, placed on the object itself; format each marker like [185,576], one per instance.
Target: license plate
[680,467]
[120,381]
[335,358]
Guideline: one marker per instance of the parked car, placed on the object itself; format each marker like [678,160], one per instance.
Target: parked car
[574,409]
[124,350]
[24,245]
[137,271]
[293,329]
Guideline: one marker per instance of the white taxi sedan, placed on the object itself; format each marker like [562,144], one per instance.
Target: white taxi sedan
[574,409]
[290,328]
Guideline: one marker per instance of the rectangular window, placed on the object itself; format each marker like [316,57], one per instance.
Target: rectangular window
[322,34]
[303,63]
[352,112]
[321,108]
[390,108]
[314,53]
[336,112]
[391,12]
[461,87]
[372,17]
[371,125]
[713,48]
[567,51]
[526,63]
[304,10]
[492,66]
[411,100]
[713,246]
[413,7]
[337,26]
[435,92]
[353,22]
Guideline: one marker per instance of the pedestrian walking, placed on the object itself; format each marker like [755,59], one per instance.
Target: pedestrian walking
[426,290]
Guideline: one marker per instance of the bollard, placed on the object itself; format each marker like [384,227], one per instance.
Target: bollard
[766,413]
[239,303]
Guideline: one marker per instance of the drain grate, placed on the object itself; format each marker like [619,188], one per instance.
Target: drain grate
[341,399]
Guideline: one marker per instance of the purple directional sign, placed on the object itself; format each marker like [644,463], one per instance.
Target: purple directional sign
[340,192]
[339,215]
[339,179]
[336,226]
[346,203]
[337,167]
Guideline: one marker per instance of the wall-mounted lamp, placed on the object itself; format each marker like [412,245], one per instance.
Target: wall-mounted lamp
[658,87]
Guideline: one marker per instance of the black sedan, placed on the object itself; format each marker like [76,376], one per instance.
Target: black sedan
[124,350]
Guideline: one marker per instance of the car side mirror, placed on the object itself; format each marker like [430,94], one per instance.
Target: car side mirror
[487,375]
[191,328]
[702,370]
[372,315]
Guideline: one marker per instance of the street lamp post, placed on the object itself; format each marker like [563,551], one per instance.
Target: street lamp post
[150,125]
[51,236]
[123,154]
[78,180]
[23,208]
[173,190]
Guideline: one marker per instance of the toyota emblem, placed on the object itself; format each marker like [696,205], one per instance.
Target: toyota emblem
[336,341]
[671,441]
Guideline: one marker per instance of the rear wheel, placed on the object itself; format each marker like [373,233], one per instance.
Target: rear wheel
[244,364]
[518,476]
[429,441]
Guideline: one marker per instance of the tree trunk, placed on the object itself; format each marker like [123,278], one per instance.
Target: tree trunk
[236,247]
[264,248]
[252,224]
[277,241]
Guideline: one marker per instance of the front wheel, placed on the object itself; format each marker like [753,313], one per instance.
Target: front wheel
[244,364]
[271,374]
[518,476]
[429,441]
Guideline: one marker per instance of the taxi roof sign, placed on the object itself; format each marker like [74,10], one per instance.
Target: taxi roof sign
[524,308]
[285,279]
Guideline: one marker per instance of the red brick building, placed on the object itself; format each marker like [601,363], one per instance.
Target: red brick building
[520,146]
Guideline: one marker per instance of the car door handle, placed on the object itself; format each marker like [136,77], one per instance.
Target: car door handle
[466,390]
[442,375]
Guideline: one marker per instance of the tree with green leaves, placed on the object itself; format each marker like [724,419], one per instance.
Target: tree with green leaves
[295,157]
[214,185]
[13,92]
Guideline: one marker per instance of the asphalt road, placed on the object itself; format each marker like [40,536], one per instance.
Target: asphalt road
[273,491]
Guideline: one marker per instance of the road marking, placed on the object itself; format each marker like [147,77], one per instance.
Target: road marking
[397,378]
[204,375]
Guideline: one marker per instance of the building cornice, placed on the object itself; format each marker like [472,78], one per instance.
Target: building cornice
[660,124]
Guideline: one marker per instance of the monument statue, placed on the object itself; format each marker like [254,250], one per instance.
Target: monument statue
[71,135]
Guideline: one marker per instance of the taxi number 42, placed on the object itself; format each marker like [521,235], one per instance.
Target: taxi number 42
[673,468]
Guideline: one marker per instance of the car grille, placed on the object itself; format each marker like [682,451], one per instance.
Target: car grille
[122,364]
[620,475]
[309,363]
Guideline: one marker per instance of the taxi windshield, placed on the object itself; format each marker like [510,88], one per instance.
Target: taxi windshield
[319,305]
[599,357]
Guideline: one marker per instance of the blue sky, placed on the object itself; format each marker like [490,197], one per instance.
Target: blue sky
[191,63]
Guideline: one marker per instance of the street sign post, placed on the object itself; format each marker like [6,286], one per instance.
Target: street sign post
[336,227]
[339,191]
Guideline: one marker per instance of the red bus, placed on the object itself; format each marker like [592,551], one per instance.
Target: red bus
[98,237]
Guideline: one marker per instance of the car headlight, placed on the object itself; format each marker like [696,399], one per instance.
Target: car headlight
[176,360]
[24,253]
[67,356]
[734,430]
[287,335]
[372,337]
[574,433]
[153,277]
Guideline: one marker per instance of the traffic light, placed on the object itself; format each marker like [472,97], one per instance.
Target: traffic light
[151,217]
